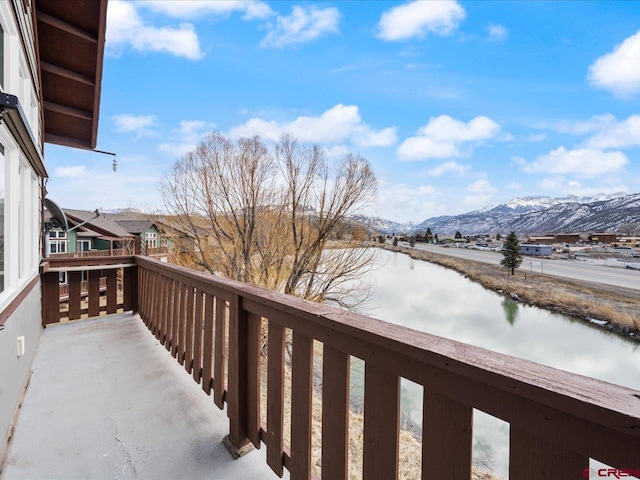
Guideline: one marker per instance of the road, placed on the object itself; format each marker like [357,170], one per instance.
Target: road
[593,271]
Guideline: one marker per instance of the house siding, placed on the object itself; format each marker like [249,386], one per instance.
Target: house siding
[14,374]
[20,296]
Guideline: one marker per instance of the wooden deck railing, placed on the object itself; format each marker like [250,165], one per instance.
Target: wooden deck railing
[89,253]
[557,420]
[111,286]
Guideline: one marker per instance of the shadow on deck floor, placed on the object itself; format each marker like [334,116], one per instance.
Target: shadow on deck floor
[106,400]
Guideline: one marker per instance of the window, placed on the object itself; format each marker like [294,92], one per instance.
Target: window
[62,278]
[151,239]
[1,57]
[83,245]
[1,218]
[58,246]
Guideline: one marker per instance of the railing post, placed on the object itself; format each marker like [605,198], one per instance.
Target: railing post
[237,441]
[130,282]
[50,298]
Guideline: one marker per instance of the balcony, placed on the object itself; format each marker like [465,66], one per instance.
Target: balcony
[213,328]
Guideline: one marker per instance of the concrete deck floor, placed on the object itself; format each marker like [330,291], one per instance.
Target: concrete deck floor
[106,400]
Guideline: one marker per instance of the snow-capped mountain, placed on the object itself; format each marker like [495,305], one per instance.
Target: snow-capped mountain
[529,215]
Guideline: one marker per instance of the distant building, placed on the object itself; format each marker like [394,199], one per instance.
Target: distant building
[540,240]
[536,250]
[603,237]
[568,238]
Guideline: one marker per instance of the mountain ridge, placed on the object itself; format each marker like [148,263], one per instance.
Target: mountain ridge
[527,215]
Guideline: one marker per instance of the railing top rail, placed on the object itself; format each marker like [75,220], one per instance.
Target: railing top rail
[97,261]
[419,356]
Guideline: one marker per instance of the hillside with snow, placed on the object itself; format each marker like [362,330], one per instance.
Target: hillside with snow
[529,215]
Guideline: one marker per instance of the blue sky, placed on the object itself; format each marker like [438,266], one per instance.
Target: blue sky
[457,105]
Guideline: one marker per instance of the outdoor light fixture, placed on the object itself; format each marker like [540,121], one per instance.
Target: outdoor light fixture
[13,116]
[115,161]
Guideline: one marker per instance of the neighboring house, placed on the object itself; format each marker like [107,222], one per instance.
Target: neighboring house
[51,54]
[102,233]
[149,234]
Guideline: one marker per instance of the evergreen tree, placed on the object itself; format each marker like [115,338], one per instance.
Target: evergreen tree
[458,234]
[435,238]
[412,241]
[512,256]
[498,236]
[395,241]
[428,235]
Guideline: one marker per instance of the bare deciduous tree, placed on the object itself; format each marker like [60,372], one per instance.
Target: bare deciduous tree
[630,229]
[270,218]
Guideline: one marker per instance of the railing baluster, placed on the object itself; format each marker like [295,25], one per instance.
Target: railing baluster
[190,327]
[74,279]
[447,428]
[93,293]
[253,378]
[167,300]
[198,325]
[177,294]
[335,413]
[301,406]
[381,423]
[130,282]
[154,312]
[531,457]
[220,355]
[112,290]
[275,397]
[207,349]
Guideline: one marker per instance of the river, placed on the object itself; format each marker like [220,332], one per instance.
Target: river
[433,299]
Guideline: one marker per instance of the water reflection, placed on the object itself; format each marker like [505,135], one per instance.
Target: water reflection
[442,302]
[510,308]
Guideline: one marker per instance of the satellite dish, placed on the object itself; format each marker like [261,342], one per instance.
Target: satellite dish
[56,213]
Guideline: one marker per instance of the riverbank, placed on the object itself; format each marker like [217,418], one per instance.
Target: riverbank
[610,307]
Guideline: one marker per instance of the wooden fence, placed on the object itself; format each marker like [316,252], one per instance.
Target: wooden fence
[557,420]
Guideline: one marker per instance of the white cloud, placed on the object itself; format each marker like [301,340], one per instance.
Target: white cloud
[139,124]
[338,124]
[536,137]
[443,135]
[582,127]
[125,27]
[573,187]
[71,172]
[497,33]
[187,137]
[618,134]
[303,25]
[583,162]
[193,9]
[404,202]
[416,19]
[481,186]
[448,167]
[619,71]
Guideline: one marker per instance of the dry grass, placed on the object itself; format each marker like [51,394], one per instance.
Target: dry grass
[410,454]
[619,306]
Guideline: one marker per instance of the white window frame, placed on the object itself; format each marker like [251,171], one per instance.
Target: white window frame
[79,244]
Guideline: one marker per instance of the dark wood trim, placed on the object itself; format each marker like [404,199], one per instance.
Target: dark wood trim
[15,303]
[63,72]
[66,27]
[71,112]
